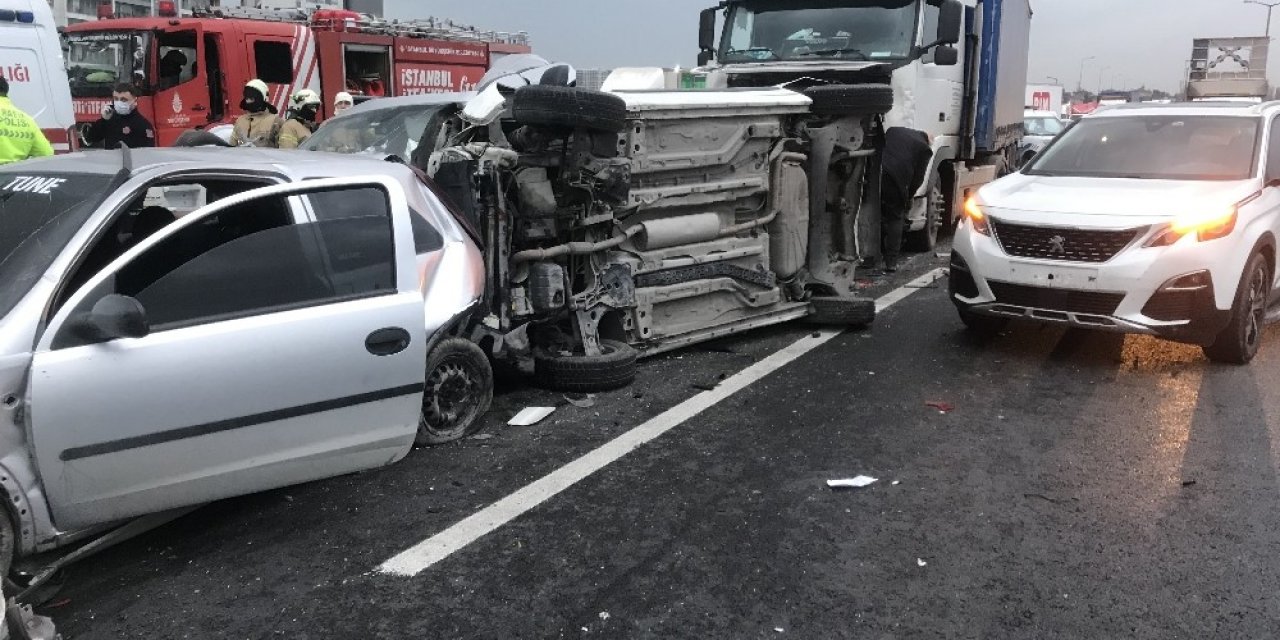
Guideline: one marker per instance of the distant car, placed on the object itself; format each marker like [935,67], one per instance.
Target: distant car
[305,323]
[1039,129]
[1159,220]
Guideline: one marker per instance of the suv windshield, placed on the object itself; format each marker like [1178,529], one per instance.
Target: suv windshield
[379,131]
[97,61]
[1164,147]
[39,214]
[764,30]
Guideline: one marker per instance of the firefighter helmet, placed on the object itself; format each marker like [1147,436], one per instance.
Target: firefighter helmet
[303,98]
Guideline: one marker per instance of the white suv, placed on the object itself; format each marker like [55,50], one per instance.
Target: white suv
[1142,219]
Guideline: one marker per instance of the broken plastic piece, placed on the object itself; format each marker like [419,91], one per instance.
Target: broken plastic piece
[920,562]
[582,402]
[852,483]
[945,407]
[530,416]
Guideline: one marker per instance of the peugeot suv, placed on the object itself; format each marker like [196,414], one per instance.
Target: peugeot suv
[1157,220]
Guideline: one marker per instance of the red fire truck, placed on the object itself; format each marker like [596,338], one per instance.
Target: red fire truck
[191,69]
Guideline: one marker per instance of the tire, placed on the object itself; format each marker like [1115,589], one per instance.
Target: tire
[8,543]
[614,369]
[926,239]
[1240,340]
[980,325]
[842,312]
[197,138]
[569,107]
[851,99]
[459,391]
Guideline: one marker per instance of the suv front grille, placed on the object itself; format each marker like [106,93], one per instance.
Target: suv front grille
[1059,243]
[1065,300]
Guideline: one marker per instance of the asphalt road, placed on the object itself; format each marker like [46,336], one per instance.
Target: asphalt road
[1082,486]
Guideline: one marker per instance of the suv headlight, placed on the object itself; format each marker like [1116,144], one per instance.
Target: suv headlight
[974,213]
[1205,226]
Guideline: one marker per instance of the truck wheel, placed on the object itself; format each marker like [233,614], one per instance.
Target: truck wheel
[1239,341]
[926,239]
[851,99]
[459,391]
[842,311]
[549,106]
[613,369]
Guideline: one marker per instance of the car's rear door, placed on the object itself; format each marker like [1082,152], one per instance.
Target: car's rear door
[280,351]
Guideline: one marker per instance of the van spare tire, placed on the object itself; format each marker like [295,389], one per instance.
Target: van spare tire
[614,368]
[851,99]
[569,107]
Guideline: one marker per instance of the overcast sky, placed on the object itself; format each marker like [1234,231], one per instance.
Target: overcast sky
[1142,41]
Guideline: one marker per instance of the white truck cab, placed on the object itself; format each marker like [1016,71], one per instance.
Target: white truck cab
[31,60]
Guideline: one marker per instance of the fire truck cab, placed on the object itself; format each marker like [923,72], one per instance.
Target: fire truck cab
[190,70]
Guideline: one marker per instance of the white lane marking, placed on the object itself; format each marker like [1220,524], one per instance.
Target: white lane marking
[440,546]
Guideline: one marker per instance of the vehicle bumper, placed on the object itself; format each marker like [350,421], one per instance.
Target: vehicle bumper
[1129,294]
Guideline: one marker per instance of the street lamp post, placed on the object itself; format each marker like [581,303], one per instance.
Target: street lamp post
[1100,87]
[1270,7]
[1080,84]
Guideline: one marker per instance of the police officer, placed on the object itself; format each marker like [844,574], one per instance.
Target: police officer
[121,124]
[259,126]
[302,119]
[20,136]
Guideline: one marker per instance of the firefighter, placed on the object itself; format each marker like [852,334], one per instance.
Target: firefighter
[121,123]
[302,119]
[342,102]
[259,126]
[20,136]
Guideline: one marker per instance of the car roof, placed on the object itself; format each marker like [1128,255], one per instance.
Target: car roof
[1140,109]
[296,163]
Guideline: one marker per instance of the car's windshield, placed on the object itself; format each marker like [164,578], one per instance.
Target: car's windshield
[379,131]
[97,61]
[765,30]
[1157,147]
[1042,126]
[39,214]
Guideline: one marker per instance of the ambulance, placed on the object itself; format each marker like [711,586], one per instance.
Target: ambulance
[31,60]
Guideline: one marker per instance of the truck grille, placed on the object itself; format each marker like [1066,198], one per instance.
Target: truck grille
[1058,243]
[1065,300]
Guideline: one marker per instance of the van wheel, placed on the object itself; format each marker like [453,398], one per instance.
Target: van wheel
[926,239]
[569,107]
[613,369]
[850,99]
[1239,341]
[459,391]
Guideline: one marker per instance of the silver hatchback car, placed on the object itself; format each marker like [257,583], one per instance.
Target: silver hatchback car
[179,326]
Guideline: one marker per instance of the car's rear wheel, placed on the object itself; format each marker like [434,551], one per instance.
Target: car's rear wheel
[1239,342]
[980,325]
[459,391]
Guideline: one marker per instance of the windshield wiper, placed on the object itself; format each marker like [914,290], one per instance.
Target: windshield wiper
[771,52]
[834,52]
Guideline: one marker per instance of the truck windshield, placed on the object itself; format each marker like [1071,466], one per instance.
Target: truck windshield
[1154,148]
[770,30]
[39,214]
[97,61]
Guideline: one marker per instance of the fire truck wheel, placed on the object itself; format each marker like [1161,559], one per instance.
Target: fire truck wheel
[851,99]
[614,368]
[570,107]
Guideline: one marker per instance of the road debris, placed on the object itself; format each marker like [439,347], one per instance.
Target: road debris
[852,483]
[1188,483]
[582,402]
[482,436]
[705,386]
[943,407]
[530,416]
[896,482]
[604,615]
[920,562]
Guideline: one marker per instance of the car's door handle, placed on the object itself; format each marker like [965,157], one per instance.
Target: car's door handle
[387,342]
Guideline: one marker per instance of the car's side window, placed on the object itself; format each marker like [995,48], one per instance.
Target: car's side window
[252,259]
[1273,149]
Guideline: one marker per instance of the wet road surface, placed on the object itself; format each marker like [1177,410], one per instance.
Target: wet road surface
[1083,485]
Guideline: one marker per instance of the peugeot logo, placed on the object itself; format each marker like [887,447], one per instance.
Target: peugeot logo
[1057,245]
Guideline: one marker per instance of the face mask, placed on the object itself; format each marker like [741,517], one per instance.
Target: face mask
[123,108]
[252,105]
[340,108]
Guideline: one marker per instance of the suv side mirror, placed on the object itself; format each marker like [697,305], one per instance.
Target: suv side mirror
[946,56]
[950,21]
[113,317]
[707,35]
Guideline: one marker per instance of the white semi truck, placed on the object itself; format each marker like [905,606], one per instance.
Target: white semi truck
[648,217]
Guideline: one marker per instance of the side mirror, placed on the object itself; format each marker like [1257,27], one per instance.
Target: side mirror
[946,56]
[707,33]
[113,317]
[950,22]
[705,58]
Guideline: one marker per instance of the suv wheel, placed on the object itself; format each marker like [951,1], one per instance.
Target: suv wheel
[1239,341]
